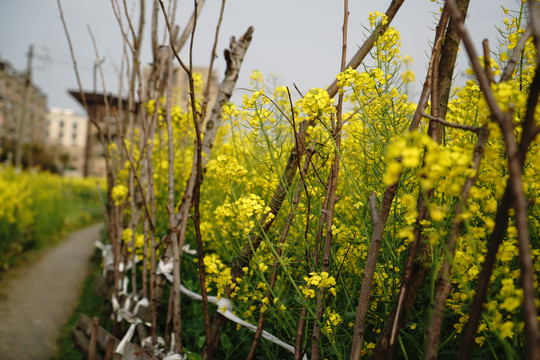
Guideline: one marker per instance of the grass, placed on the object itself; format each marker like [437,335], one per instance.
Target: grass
[89,303]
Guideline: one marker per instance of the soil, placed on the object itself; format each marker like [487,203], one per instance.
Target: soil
[38,297]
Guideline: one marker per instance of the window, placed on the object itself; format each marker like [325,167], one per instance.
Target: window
[74,125]
[61,135]
[61,124]
[74,136]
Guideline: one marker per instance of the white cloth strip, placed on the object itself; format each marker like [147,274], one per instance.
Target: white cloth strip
[225,307]
[127,338]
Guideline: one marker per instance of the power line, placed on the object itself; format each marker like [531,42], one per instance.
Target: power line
[48,55]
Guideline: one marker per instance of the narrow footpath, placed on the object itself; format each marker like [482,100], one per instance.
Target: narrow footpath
[41,298]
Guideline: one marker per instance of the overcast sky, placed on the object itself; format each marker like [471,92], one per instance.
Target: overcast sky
[300,40]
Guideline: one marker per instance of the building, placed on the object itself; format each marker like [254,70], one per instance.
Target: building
[66,139]
[23,112]
[103,110]
[106,109]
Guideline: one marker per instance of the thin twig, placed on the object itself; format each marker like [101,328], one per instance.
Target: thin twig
[74,61]
[179,44]
[198,180]
[487,62]
[171,38]
[534,11]
[474,129]
[115,6]
[435,58]
[373,207]
[173,236]
[332,187]
[213,56]
[279,250]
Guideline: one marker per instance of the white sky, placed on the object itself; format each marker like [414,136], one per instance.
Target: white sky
[298,39]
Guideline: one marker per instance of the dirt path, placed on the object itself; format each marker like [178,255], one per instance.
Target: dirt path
[41,297]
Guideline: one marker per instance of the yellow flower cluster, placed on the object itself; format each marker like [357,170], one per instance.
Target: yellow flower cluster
[375,16]
[128,238]
[229,112]
[178,117]
[36,206]
[317,104]
[226,169]
[407,76]
[509,93]
[318,281]
[15,197]
[387,45]
[404,152]
[443,166]
[119,193]
[256,100]
[364,81]
[217,274]
[240,217]
[333,320]
[281,97]
[260,118]
[512,297]
[256,79]
[198,83]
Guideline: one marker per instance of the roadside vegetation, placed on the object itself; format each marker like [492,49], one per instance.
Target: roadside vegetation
[39,208]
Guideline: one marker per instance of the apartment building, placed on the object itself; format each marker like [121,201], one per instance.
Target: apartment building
[23,111]
[66,136]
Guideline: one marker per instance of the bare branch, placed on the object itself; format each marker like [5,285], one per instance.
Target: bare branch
[179,44]
[534,11]
[474,129]
[332,197]
[116,11]
[373,207]
[171,38]
[516,54]
[279,249]
[213,56]
[487,62]
[435,58]
[475,63]
[74,61]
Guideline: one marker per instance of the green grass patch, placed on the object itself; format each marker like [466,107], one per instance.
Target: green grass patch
[88,303]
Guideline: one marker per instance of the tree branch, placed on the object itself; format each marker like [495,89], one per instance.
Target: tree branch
[474,129]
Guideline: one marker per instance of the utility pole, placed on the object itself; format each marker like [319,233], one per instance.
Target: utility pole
[97,63]
[22,117]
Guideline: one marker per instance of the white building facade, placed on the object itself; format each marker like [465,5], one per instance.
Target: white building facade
[66,137]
